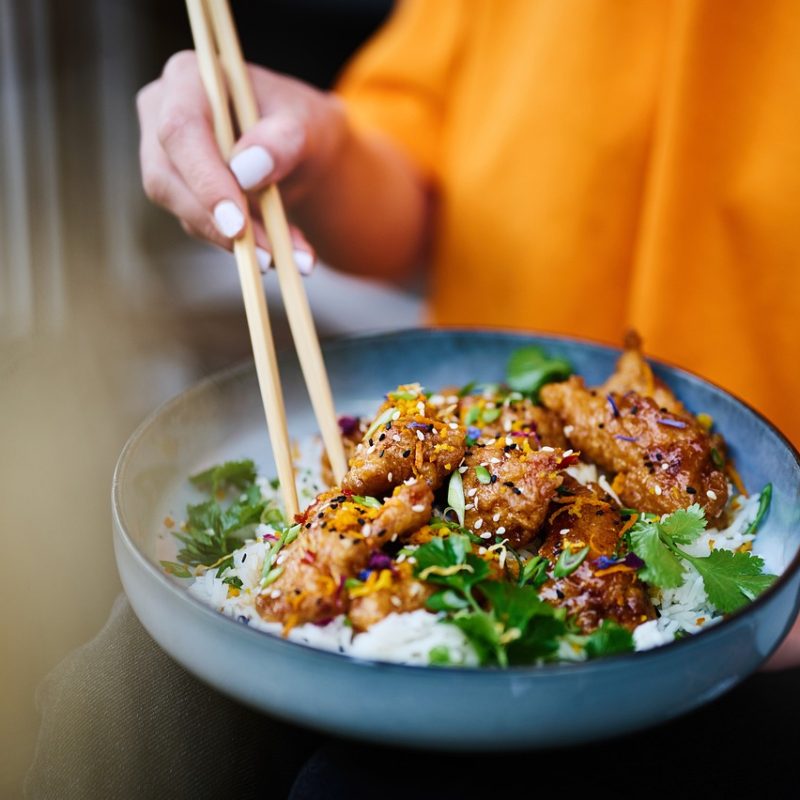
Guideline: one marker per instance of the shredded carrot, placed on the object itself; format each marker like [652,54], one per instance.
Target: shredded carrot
[735,479]
[610,570]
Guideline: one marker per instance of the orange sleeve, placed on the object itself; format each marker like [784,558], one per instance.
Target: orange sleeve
[397,84]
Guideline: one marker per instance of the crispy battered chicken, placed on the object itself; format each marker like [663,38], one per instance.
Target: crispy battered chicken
[497,417]
[507,488]
[336,541]
[407,439]
[662,459]
[586,516]
[634,374]
[352,430]
[401,592]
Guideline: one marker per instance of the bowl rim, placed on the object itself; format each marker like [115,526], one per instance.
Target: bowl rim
[526,671]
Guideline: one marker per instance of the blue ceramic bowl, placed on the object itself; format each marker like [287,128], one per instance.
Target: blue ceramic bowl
[457,709]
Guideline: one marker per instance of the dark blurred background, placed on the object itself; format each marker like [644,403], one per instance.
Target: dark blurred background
[106,308]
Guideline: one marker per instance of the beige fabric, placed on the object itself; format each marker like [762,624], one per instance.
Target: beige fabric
[120,719]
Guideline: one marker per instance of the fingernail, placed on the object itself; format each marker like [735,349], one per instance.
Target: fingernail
[264,259]
[305,261]
[251,166]
[228,219]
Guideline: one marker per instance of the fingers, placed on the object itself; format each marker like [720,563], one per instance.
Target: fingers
[184,130]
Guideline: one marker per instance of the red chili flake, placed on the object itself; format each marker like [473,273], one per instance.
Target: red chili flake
[309,557]
[301,518]
[568,461]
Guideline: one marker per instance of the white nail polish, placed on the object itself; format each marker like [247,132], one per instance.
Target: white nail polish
[304,261]
[251,166]
[228,219]
[264,259]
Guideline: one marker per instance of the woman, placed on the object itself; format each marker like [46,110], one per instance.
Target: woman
[565,165]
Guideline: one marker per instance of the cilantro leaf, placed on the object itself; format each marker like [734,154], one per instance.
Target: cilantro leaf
[684,525]
[513,605]
[482,632]
[731,580]
[446,600]
[662,567]
[540,639]
[231,474]
[529,369]
[608,639]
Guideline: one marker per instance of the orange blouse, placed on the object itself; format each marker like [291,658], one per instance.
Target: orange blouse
[605,165]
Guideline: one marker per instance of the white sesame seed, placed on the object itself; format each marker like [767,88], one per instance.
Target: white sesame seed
[421,407]
[568,429]
[275,594]
[281,558]
[462,470]
[453,426]
[496,517]
[469,507]
[665,465]
[395,416]
[410,481]
[507,426]
[500,531]
[564,531]
[420,436]
[657,489]
[395,601]
[567,453]
[478,524]
[390,476]
[487,535]
[481,551]
[472,492]
[509,441]
[418,508]
[490,442]
[494,460]
[394,538]
[371,449]
[711,494]
[395,437]
[547,449]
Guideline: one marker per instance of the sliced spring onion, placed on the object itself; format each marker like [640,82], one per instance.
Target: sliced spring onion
[534,571]
[178,570]
[380,420]
[568,562]
[764,501]
[490,415]
[272,576]
[369,502]
[483,475]
[455,495]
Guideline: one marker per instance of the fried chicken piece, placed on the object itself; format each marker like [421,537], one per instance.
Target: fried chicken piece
[662,459]
[496,417]
[589,517]
[522,481]
[410,440]
[336,541]
[352,430]
[634,374]
[401,593]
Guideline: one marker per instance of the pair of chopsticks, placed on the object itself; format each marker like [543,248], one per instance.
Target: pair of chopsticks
[222,68]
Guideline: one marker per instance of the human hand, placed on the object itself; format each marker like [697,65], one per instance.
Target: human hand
[184,172]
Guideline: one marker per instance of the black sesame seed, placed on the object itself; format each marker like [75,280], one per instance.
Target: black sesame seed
[308,524]
[381,454]
[406,453]
[517,491]
[601,425]
[691,490]
[510,484]
[389,425]
[244,557]
[559,594]
[381,437]
[493,479]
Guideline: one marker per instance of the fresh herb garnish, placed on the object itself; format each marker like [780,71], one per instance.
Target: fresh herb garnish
[529,369]
[233,580]
[730,579]
[268,573]
[568,562]
[231,474]
[483,475]
[439,656]
[455,495]
[764,500]
[369,502]
[608,639]
[218,526]
[178,570]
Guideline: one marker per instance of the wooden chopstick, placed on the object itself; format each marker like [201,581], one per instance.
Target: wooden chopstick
[249,271]
[291,283]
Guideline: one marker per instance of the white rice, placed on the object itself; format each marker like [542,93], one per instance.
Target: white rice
[408,638]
